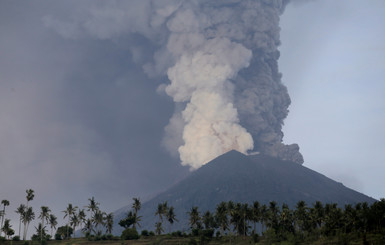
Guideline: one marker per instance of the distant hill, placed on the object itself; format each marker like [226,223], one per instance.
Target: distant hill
[240,178]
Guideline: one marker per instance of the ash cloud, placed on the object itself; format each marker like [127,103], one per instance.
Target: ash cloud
[220,62]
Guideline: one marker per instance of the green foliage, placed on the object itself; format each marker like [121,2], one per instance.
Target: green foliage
[130,234]
[144,233]
[16,238]
[58,237]
[62,232]
[255,238]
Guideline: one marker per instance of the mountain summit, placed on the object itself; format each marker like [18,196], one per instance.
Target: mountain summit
[240,178]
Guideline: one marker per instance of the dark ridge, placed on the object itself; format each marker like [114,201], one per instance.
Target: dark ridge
[240,178]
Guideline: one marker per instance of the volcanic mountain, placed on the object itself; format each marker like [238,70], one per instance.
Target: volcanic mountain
[240,178]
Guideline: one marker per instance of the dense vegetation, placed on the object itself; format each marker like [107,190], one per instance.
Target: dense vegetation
[231,222]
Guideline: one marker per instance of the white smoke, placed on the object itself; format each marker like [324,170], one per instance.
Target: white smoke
[201,78]
[220,58]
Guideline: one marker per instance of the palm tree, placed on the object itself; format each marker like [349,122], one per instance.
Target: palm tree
[98,219]
[235,217]
[301,216]
[40,229]
[246,216]
[30,195]
[161,210]
[286,219]
[93,206]
[88,227]
[194,219]
[170,216]
[7,228]
[208,220]
[136,205]
[264,216]
[5,203]
[27,217]
[44,215]
[82,217]
[158,228]
[68,213]
[74,222]
[135,220]
[318,214]
[221,217]
[109,222]
[256,214]
[20,210]
[52,222]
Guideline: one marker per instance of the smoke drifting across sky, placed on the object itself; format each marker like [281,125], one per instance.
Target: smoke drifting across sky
[220,58]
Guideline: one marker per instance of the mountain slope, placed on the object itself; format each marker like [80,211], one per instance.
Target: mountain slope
[240,178]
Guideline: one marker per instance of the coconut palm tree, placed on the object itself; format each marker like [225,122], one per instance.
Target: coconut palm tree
[7,228]
[30,195]
[52,222]
[286,219]
[264,217]
[301,216]
[221,217]
[70,210]
[208,220]
[109,222]
[194,219]
[136,205]
[171,217]
[158,228]
[82,217]
[27,217]
[20,210]
[160,211]
[98,219]
[44,215]
[92,206]
[256,214]
[273,215]
[74,221]
[5,203]
[88,227]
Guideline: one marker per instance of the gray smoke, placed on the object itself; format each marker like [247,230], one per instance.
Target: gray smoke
[258,97]
[220,60]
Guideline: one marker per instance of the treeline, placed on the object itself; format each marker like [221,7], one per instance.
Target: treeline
[89,219]
[301,223]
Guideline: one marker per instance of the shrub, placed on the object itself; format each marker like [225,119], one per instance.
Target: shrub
[57,237]
[130,234]
[16,238]
[144,233]
[151,233]
[255,238]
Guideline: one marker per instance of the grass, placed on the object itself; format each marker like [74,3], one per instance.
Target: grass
[375,239]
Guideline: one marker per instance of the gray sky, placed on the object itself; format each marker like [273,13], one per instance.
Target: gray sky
[79,118]
[333,63]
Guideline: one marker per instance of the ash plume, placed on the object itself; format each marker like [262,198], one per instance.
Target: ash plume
[227,74]
[220,61]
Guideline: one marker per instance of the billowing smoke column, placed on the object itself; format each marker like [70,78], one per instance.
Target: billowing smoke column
[226,72]
[220,60]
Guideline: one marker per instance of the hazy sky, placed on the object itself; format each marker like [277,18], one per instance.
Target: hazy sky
[80,118]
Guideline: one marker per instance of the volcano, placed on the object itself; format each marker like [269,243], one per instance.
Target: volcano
[240,178]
